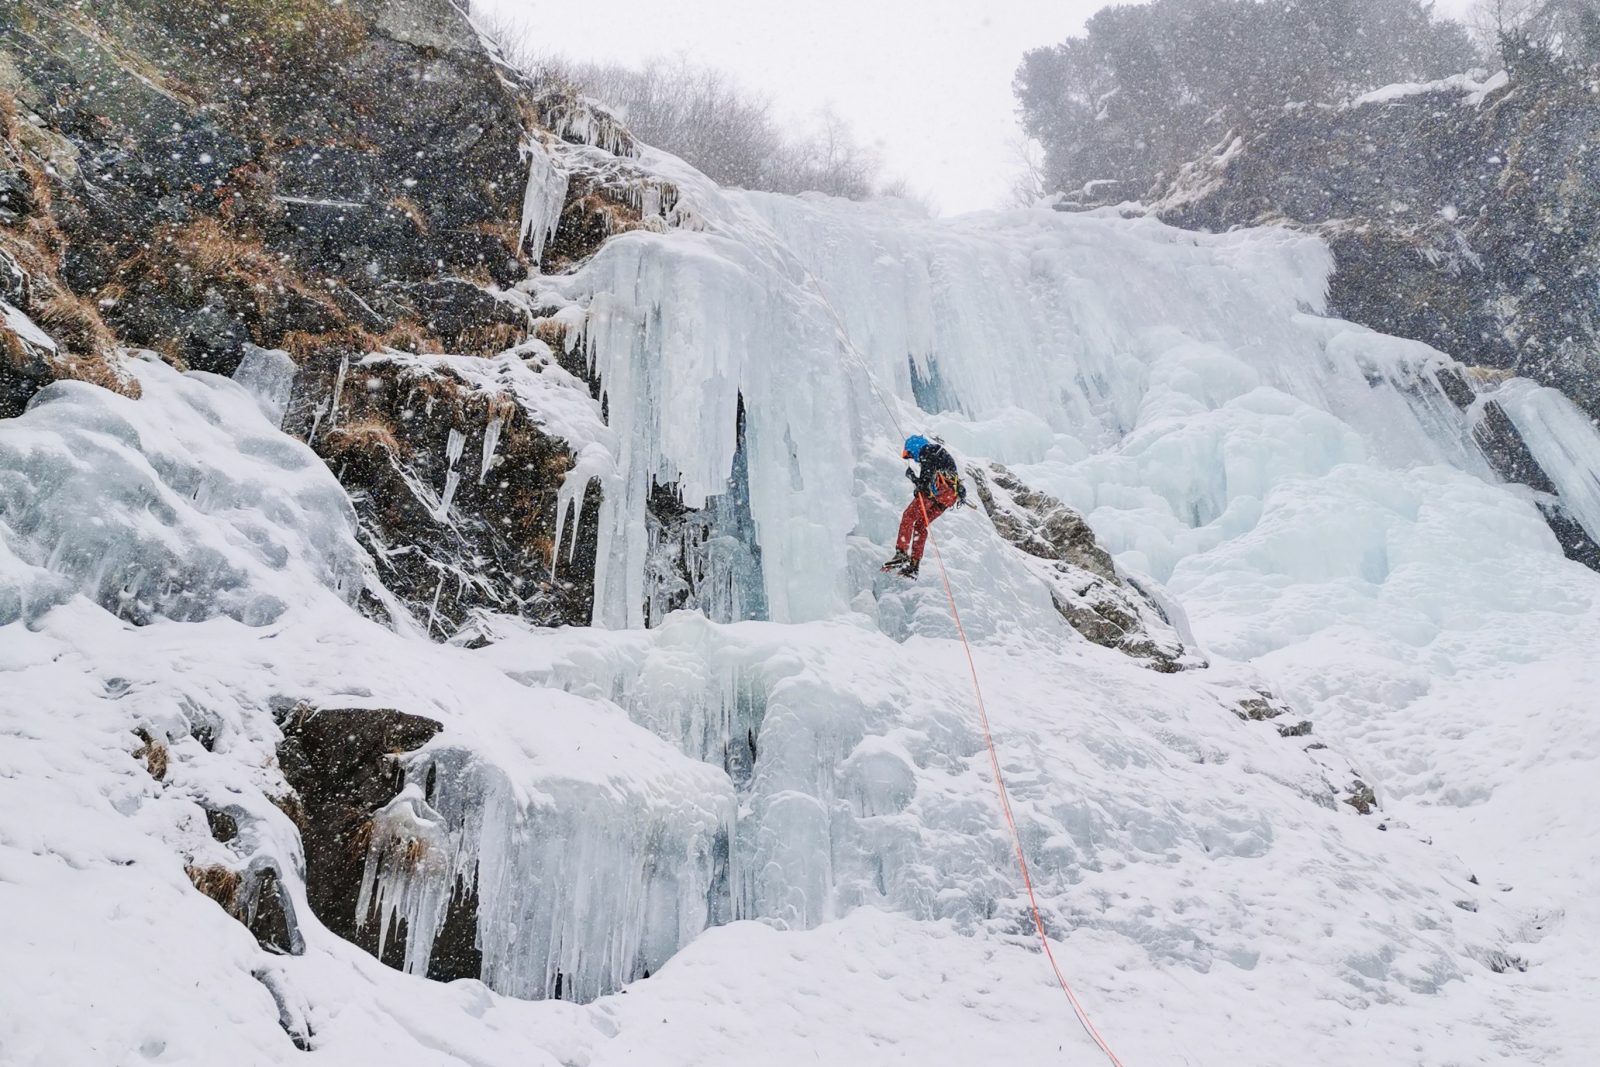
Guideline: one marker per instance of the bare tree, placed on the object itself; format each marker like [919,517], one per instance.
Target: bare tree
[1027,179]
[704,116]
[1493,21]
[1560,29]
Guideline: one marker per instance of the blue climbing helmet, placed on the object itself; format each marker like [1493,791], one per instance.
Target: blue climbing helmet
[914,446]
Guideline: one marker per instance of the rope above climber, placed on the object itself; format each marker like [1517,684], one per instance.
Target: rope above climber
[938,488]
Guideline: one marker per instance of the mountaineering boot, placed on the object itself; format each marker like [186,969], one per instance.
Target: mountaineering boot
[910,569]
[899,559]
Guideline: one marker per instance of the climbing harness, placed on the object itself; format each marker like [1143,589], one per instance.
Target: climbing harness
[946,489]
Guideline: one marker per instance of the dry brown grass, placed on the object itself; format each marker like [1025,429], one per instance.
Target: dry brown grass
[154,754]
[410,337]
[346,341]
[1490,375]
[219,883]
[75,323]
[414,854]
[509,234]
[11,349]
[86,347]
[364,437]
[290,805]
[619,216]
[552,332]
[9,114]
[413,211]
[205,253]
[171,354]
[208,247]
[502,406]
[489,338]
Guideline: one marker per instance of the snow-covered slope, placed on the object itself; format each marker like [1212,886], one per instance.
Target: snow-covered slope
[812,784]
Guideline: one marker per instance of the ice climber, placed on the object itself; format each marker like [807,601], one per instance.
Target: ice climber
[938,488]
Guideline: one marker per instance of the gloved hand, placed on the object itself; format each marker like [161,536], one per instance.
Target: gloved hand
[911,475]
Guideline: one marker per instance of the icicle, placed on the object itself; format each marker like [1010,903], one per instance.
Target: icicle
[491,441]
[456,442]
[594,463]
[433,608]
[410,873]
[543,198]
[578,882]
[338,388]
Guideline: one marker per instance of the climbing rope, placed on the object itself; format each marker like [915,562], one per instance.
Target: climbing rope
[1005,798]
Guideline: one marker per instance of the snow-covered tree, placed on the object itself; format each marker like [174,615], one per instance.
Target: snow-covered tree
[1148,87]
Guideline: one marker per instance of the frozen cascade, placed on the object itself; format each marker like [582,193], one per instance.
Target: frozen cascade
[1032,316]
[1563,441]
[579,890]
[844,774]
[669,334]
[185,504]
[1299,485]
[411,873]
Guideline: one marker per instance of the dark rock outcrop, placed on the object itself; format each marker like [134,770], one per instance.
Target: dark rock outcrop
[330,179]
[1083,581]
[342,764]
[454,486]
[251,169]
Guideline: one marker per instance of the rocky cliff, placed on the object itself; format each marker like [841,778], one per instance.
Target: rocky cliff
[1461,213]
[330,180]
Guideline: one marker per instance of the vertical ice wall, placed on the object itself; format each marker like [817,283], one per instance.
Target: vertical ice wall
[824,774]
[1564,442]
[679,328]
[830,320]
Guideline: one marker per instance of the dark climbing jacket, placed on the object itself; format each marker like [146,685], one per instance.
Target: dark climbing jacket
[938,476]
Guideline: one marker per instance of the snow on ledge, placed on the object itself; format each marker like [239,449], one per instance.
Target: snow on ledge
[1476,90]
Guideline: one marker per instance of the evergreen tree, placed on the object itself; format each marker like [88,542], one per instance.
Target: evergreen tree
[1149,87]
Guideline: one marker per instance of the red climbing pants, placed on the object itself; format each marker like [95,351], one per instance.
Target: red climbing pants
[914,523]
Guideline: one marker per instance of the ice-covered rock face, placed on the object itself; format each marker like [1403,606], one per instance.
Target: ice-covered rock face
[1309,493]
[1282,476]
[1478,238]
[1029,335]
[185,504]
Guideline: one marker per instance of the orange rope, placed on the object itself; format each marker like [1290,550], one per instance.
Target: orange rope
[1005,798]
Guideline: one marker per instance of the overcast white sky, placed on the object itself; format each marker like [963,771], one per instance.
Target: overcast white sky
[928,82]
